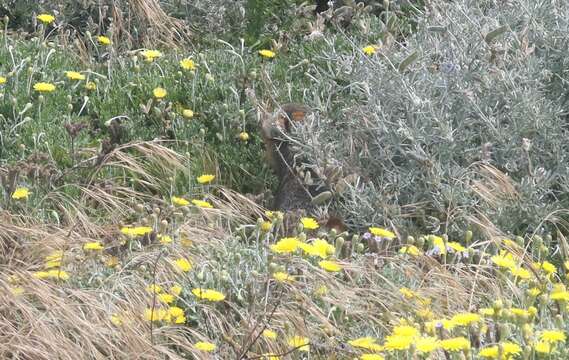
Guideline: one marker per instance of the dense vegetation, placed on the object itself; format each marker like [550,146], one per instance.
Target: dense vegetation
[135,196]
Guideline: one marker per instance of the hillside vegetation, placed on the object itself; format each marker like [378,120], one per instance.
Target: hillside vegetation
[135,193]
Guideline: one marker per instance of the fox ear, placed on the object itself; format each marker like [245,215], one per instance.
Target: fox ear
[336,223]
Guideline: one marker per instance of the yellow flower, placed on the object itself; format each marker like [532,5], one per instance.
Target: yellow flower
[371,357]
[116,320]
[504,260]
[52,274]
[269,334]
[187,113]
[520,273]
[164,239]
[270,357]
[546,266]
[44,87]
[179,201]
[266,226]
[136,231]
[243,136]
[465,319]
[376,231]
[93,246]
[300,343]
[177,314]
[321,290]
[456,246]
[151,55]
[187,64]
[552,336]
[330,266]
[153,288]
[74,75]
[16,290]
[103,40]
[405,330]
[508,350]
[319,247]
[407,293]
[398,342]
[159,93]
[283,277]
[90,85]
[286,245]
[456,344]
[208,294]
[204,346]
[427,344]
[2,80]
[112,261]
[560,296]
[367,343]
[21,193]
[46,18]
[268,54]
[439,244]
[542,347]
[411,250]
[205,179]
[165,298]
[309,223]
[534,292]
[176,290]
[369,50]
[151,314]
[183,265]
[202,204]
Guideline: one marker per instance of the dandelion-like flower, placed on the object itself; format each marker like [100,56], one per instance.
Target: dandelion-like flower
[552,336]
[202,204]
[74,75]
[159,93]
[46,18]
[542,347]
[3,80]
[410,250]
[267,54]
[427,344]
[21,193]
[165,298]
[205,346]
[151,55]
[136,231]
[397,342]
[330,266]
[178,201]
[367,343]
[183,265]
[301,343]
[504,260]
[465,319]
[164,239]
[286,245]
[176,290]
[44,87]
[369,50]
[520,273]
[456,344]
[103,40]
[205,179]
[187,64]
[93,246]
[283,277]
[90,85]
[208,294]
[309,223]
[377,231]
[269,334]
[187,113]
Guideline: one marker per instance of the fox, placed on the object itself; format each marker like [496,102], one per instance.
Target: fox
[292,195]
